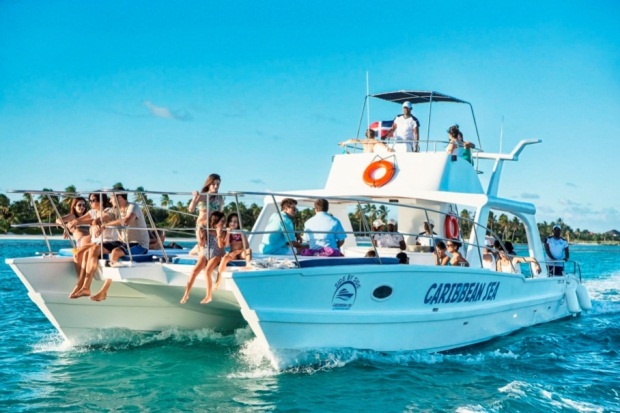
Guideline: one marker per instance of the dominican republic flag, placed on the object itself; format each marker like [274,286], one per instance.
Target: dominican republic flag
[383,126]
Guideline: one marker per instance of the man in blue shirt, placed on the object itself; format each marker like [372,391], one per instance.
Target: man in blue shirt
[323,230]
[280,234]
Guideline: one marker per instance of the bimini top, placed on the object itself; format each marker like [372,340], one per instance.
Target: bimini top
[416,96]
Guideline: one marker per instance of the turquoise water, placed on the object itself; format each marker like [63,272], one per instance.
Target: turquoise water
[569,366]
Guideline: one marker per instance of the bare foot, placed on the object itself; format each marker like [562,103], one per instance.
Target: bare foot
[75,290]
[206,300]
[184,299]
[80,293]
[100,296]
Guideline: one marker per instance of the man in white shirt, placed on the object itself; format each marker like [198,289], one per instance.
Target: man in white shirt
[406,127]
[389,239]
[556,248]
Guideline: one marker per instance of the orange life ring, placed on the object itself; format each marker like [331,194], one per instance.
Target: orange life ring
[374,167]
[452,227]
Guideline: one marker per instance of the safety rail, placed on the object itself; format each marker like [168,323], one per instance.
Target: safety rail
[479,231]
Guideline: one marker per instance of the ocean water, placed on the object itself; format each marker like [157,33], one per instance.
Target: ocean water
[571,365]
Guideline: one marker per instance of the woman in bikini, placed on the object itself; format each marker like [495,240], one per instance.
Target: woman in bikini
[238,244]
[211,256]
[457,259]
[205,202]
[72,222]
[509,263]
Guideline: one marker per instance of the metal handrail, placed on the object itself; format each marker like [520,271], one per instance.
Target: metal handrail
[302,199]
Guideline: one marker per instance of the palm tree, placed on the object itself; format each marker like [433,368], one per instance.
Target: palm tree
[503,225]
[383,211]
[165,201]
[65,204]
[45,204]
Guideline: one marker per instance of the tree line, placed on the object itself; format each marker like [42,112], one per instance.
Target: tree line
[176,216]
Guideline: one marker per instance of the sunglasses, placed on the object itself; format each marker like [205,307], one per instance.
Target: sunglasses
[80,205]
[93,199]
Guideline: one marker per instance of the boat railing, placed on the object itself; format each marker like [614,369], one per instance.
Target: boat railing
[475,231]
[353,146]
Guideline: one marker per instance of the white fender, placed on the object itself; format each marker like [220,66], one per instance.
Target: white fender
[583,297]
[571,299]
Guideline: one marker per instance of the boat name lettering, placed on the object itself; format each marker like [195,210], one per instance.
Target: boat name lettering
[346,292]
[446,293]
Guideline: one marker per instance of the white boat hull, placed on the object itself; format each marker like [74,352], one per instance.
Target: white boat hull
[300,310]
[138,305]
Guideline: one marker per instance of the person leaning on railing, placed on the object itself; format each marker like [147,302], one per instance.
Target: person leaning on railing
[370,144]
[509,263]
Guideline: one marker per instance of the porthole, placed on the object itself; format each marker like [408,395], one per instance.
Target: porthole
[382,292]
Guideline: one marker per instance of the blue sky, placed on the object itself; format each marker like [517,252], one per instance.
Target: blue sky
[160,94]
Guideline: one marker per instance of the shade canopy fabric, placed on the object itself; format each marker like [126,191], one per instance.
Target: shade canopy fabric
[416,96]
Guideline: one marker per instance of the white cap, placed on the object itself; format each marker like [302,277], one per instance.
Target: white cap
[557,226]
[391,221]
[377,223]
[407,104]
[489,241]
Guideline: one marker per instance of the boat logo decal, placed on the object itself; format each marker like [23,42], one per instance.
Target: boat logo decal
[461,292]
[346,292]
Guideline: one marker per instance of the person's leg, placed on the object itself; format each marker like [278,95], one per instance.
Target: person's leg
[213,262]
[225,260]
[91,267]
[116,254]
[103,292]
[200,265]
[82,257]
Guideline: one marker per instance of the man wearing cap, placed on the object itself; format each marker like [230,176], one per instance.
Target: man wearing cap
[389,239]
[427,237]
[406,127]
[377,229]
[557,250]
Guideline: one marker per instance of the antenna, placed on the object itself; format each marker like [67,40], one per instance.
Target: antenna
[368,106]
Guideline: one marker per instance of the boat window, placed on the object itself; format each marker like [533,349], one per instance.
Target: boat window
[382,292]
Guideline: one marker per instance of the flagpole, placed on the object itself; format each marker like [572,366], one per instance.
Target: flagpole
[368,105]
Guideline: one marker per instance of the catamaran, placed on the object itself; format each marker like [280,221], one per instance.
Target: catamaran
[297,302]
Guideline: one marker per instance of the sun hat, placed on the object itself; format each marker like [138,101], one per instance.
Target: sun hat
[557,226]
[377,223]
[407,104]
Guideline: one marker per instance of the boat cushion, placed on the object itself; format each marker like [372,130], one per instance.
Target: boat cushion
[331,261]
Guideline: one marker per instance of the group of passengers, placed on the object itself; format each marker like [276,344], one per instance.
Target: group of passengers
[113,226]
[405,131]
[219,238]
[323,233]
[117,227]
[496,256]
